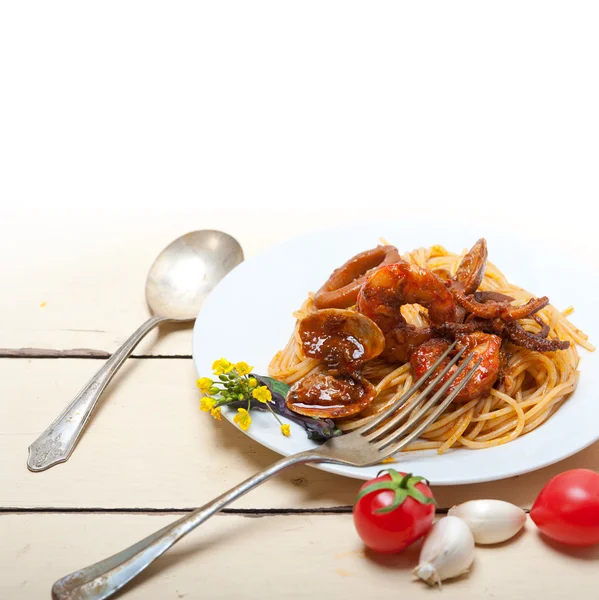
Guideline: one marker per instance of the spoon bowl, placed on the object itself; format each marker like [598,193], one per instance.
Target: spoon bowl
[187,270]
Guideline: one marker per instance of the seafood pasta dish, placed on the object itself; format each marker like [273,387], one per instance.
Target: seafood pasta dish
[382,320]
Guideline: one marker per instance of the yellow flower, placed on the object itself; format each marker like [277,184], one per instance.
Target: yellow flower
[204,383]
[286,430]
[221,366]
[243,419]
[243,368]
[253,382]
[215,412]
[207,403]
[262,394]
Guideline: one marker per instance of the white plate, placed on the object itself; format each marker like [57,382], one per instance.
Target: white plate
[249,317]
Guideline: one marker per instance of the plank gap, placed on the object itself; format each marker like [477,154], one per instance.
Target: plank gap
[248,512]
[76,353]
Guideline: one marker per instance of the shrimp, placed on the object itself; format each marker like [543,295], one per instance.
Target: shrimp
[392,286]
[485,346]
[401,341]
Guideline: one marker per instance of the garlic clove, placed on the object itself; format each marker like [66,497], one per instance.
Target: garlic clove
[447,552]
[491,521]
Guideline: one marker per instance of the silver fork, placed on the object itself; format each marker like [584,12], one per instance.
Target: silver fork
[382,437]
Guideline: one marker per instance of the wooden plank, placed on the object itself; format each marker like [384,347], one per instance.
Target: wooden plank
[276,556]
[149,446]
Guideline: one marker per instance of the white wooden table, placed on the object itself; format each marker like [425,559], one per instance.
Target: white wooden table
[126,125]
[150,454]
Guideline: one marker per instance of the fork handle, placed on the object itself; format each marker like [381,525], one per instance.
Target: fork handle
[56,444]
[104,578]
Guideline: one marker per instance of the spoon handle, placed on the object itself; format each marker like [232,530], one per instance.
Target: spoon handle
[56,444]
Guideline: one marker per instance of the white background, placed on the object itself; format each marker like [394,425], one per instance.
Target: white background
[267,116]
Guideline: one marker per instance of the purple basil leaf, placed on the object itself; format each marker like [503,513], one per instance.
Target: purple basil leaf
[318,430]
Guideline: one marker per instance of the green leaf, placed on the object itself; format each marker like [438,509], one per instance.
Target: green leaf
[414,480]
[277,386]
[396,477]
[381,485]
[419,496]
[400,495]
[402,485]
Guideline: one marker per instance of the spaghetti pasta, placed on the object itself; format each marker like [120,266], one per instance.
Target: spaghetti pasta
[533,387]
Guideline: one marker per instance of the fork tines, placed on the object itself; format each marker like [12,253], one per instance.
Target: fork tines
[394,428]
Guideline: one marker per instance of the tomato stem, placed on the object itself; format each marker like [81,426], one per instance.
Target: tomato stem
[404,482]
[402,485]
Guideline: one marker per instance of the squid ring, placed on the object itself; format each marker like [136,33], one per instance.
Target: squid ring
[342,287]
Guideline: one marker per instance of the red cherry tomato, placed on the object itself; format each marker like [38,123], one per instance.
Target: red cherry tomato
[393,510]
[567,509]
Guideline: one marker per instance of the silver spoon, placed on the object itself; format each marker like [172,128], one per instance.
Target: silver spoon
[184,273]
